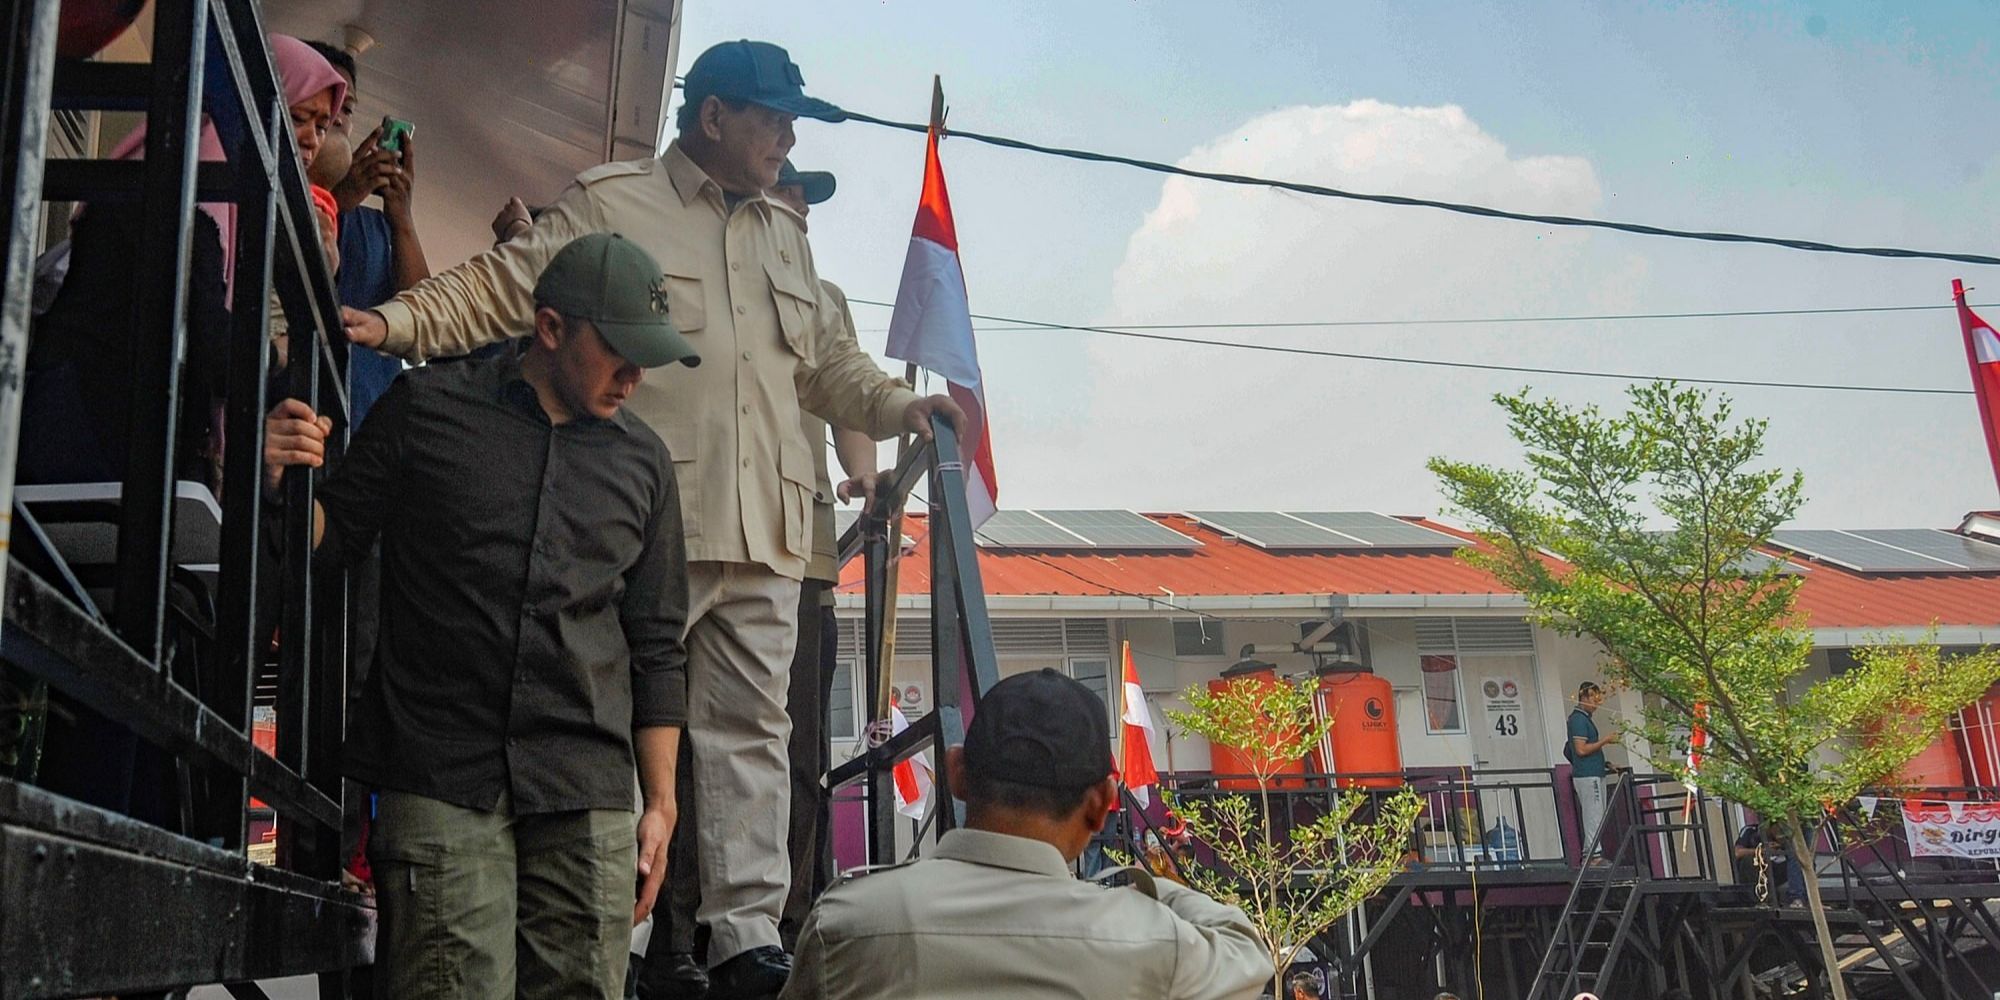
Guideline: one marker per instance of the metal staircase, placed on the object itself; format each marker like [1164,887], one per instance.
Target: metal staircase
[1613,913]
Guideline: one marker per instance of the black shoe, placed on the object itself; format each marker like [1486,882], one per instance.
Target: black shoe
[756,974]
[678,977]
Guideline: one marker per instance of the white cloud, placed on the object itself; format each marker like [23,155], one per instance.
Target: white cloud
[1176,426]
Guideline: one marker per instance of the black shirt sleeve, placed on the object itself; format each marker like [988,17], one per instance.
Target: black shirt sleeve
[359,495]
[654,613]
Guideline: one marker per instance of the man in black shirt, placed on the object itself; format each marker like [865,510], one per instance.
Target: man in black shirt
[534,599]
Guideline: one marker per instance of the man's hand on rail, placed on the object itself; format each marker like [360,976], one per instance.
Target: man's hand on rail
[293,435]
[917,417]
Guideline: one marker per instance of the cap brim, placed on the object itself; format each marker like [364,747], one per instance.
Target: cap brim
[649,345]
[817,185]
[803,106]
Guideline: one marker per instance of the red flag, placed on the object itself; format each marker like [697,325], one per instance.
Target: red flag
[1137,767]
[912,776]
[932,328]
[1982,352]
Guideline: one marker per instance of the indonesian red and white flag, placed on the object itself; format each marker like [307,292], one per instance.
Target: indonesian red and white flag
[1137,767]
[912,776]
[1982,352]
[932,329]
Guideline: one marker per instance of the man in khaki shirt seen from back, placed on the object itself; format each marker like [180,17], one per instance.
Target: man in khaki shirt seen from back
[741,286]
[995,911]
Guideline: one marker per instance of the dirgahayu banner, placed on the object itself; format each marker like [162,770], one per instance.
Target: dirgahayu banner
[1952,829]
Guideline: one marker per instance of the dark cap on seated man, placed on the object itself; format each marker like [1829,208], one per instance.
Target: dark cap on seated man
[616,285]
[1037,761]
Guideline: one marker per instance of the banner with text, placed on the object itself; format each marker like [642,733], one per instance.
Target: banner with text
[1952,829]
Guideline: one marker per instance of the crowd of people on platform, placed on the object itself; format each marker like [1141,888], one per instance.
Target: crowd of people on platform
[593,567]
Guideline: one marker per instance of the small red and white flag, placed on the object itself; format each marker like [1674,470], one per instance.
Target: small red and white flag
[1982,352]
[932,329]
[1697,742]
[912,776]
[1137,768]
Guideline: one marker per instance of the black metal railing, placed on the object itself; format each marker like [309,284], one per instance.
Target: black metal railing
[108,904]
[963,666]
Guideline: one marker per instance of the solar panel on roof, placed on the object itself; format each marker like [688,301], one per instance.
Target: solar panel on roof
[1024,529]
[1969,553]
[1879,551]
[1119,529]
[1272,530]
[1380,530]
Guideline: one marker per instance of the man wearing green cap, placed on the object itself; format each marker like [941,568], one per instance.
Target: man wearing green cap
[741,284]
[534,601]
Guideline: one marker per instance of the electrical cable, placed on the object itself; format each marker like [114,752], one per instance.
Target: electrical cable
[1812,246]
[1460,320]
[1472,365]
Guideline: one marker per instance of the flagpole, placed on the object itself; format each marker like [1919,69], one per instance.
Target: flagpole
[903,442]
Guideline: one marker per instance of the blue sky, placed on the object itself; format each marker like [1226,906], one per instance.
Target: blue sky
[1860,123]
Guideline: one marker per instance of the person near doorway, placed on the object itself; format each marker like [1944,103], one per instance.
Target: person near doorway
[1588,768]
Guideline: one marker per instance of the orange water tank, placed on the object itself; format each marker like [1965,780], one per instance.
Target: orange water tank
[1228,760]
[1361,710]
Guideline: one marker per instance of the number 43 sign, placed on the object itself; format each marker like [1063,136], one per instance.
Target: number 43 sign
[1502,696]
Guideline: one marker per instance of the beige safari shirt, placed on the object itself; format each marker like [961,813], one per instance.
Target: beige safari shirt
[826,543]
[989,915]
[741,286]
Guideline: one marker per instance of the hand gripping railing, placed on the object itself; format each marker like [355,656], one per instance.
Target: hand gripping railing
[963,667]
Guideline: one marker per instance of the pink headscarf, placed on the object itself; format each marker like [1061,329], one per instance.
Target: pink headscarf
[301,74]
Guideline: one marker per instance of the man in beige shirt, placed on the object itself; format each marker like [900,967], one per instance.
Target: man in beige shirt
[995,910]
[742,287]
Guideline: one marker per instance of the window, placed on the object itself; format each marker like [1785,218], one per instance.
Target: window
[1441,706]
[1197,637]
[1092,674]
[840,702]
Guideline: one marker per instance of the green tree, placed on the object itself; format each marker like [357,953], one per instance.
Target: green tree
[1641,531]
[1296,886]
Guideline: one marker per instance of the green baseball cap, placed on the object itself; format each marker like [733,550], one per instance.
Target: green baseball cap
[616,285]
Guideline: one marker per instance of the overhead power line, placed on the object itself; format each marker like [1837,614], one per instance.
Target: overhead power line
[1813,246]
[1482,320]
[1441,363]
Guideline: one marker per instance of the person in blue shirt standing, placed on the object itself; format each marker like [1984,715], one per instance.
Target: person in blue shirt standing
[380,253]
[1585,750]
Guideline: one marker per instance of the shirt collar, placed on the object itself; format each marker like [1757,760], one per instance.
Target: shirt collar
[690,180]
[513,389]
[999,850]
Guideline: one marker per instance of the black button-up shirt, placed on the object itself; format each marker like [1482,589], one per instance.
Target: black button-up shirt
[534,593]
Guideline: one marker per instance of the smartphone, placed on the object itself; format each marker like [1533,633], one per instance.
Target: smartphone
[393,132]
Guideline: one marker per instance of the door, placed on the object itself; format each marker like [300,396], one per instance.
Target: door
[1504,718]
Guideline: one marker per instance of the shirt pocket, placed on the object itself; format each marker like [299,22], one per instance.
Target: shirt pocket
[687,306]
[795,489]
[798,310]
[679,435]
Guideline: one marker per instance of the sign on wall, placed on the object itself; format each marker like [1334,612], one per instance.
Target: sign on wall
[1501,697]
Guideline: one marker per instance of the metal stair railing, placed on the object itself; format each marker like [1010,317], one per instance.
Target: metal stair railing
[208,913]
[1608,897]
[1937,961]
[963,664]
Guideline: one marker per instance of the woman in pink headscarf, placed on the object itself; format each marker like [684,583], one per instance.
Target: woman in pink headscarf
[76,419]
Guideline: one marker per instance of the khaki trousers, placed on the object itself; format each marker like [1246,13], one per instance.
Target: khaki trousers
[492,906]
[742,626]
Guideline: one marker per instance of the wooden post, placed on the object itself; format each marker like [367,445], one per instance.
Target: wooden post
[883,696]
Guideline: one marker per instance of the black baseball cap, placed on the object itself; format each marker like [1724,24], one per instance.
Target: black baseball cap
[616,285]
[1040,729]
[817,184]
[758,72]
